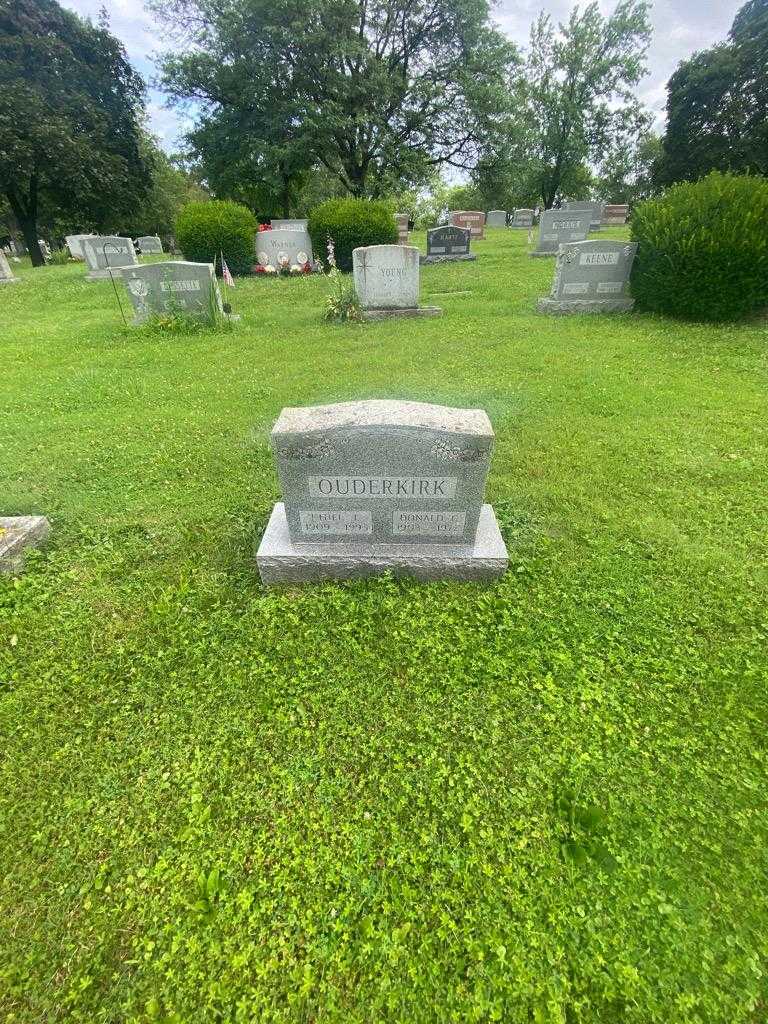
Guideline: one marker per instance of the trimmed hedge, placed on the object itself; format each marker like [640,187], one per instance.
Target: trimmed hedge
[204,230]
[350,223]
[703,249]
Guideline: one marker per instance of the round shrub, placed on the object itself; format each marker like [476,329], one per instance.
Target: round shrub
[703,249]
[350,223]
[204,230]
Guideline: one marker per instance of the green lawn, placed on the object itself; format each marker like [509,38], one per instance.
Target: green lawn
[336,804]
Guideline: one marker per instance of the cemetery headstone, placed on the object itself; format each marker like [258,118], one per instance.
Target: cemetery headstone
[290,224]
[447,244]
[284,247]
[472,219]
[173,286]
[615,214]
[496,218]
[45,249]
[150,245]
[106,255]
[557,227]
[387,282]
[17,533]
[522,219]
[382,486]
[591,277]
[75,245]
[6,274]
[18,248]
[402,220]
[594,209]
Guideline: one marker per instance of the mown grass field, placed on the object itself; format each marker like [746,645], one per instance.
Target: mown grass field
[224,805]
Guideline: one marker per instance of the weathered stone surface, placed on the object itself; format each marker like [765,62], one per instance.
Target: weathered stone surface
[284,247]
[106,255]
[522,219]
[395,314]
[386,276]
[496,218]
[17,533]
[447,243]
[6,274]
[558,228]
[290,224]
[402,220]
[472,219]
[281,562]
[173,286]
[595,210]
[150,245]
[591,277]
[75,245]
[615,214]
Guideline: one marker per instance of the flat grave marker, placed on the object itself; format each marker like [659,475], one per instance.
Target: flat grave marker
[17,533]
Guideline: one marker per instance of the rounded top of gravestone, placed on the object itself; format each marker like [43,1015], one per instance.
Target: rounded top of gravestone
[383,413]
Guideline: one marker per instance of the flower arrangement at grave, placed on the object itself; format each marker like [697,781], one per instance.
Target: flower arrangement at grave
[284,267]
[265,227]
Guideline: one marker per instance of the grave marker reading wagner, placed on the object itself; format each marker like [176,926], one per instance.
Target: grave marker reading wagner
[558,227]
[284,247]
[370,487]
[591,277]
[173,286]
[447,243]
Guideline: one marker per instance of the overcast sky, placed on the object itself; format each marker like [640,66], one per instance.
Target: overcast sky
[680,27]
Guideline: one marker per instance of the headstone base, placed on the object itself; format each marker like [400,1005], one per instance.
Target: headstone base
[391,314]
[16,534]
[280,561]
[10,280]
[565,307]
[447,259]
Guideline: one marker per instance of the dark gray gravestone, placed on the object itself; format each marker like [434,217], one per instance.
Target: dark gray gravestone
[377,486]
[595,210]
[558,227]
[496,218]
[106,254]
[591,277]
[448,243]
[173,287]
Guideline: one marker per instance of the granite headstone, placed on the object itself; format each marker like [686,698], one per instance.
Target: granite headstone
[447,244]
[150,245]
[402,220]
[17,533]
[595,210]
[472,219]
[615,214]
[290,224]
[75,245]
[106,255]
[522,218]
[377,486]
[557,227]
[173,286]
[284,247]
[591,277]
[496,218]
[387,281]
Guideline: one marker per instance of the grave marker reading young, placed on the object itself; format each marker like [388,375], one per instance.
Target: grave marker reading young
[387,281]
[379,486]
[591,277]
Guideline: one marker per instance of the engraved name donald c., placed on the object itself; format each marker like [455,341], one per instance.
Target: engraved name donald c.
[382,486]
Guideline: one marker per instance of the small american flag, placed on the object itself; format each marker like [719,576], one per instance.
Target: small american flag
[225,274]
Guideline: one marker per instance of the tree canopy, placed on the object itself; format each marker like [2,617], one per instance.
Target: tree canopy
[717,104]
[377,92]
[69,118]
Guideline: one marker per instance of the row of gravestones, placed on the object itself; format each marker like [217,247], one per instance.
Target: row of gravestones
[367,487]
[603,215]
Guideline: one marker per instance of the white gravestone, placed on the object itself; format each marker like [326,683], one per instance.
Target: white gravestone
[150,245]
[380,486]
[522,218]
[283,247]
[291,224]
[6,274]
[175,286]
[558,227]
[17,533]
[591,277]
[387,281]
[106,255]
[496,218]
[75,245]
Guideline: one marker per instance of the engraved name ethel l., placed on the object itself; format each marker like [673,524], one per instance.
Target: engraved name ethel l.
[382,486]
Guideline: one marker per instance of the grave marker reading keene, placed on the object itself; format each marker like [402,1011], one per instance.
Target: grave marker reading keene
[591,277]
[379,486]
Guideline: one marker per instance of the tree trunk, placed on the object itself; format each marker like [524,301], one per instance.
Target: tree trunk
[28,227]
[26,217]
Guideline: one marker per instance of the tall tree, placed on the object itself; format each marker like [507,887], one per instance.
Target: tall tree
[69,118]
[717,104]
[379,92]
[577,78]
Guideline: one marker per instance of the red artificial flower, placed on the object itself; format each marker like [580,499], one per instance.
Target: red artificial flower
[265,227]
[258,269]
[306,269]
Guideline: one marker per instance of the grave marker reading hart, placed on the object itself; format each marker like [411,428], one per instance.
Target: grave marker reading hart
[447,243]
[378,486]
